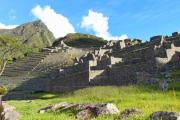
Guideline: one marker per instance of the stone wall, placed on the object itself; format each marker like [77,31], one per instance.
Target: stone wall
[143,53]
[157,40]
[123,52]
[98,77]
[114,60]
[106,67]
[74,81]
[121,75]
[161,61]
[93,74]
[101,52]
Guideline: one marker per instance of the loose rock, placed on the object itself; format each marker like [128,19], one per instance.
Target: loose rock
[105,109]
[85,111]
[91,111]
[9,113]
[130,112]
[87,114]
[164,115]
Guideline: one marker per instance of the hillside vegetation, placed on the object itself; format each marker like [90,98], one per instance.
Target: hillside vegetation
[80,40]
[12,49]
[147,99]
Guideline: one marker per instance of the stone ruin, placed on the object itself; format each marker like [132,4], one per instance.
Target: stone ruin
[123,63]
[117,63]
[120,44]
[61,47]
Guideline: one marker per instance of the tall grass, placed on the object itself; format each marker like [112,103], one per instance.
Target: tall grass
[147,99]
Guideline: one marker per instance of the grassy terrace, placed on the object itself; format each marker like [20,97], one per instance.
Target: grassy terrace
[148,99]
[80,40]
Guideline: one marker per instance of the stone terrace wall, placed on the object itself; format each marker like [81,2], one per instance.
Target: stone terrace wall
[144,54]
[99,77]
[70,82]
[122,75]
[71,78]
[123,52]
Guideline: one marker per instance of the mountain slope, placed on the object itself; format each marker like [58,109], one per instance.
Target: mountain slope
[33,34]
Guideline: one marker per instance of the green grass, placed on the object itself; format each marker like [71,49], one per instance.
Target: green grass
[147,99]
[85,42]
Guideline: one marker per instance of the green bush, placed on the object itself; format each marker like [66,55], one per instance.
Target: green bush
[13,49]
[3,90]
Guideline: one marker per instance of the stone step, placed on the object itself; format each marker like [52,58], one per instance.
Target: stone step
[25,65]
[28,60]
[16,72]
[39,53]
[37,57]
[34,59]
[22,65]
[19,70]
[13,75]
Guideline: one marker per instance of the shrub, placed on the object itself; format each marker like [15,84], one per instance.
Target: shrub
[13,49]
[3,90]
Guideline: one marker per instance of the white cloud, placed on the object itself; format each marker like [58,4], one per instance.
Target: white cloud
[99,24]
[3,26]
[122,37]
[58,24]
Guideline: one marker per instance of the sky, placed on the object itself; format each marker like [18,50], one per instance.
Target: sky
[110,19]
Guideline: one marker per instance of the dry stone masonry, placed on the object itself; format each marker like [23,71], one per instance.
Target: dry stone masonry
[116,63]
[126,62]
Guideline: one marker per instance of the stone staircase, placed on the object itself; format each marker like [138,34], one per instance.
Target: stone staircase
[26,65]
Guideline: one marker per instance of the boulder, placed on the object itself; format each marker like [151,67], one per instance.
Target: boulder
[85,111]
[9,113]
[87,114]
[105,109]
[91,111]
[164,115]
[130,112]
[60,106]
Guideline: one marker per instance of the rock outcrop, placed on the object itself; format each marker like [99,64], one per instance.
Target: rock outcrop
[130,112]
[84,111]
[34,34]
[9,113]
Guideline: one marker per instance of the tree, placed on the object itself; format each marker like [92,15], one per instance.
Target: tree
[11,48]
[3,90]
